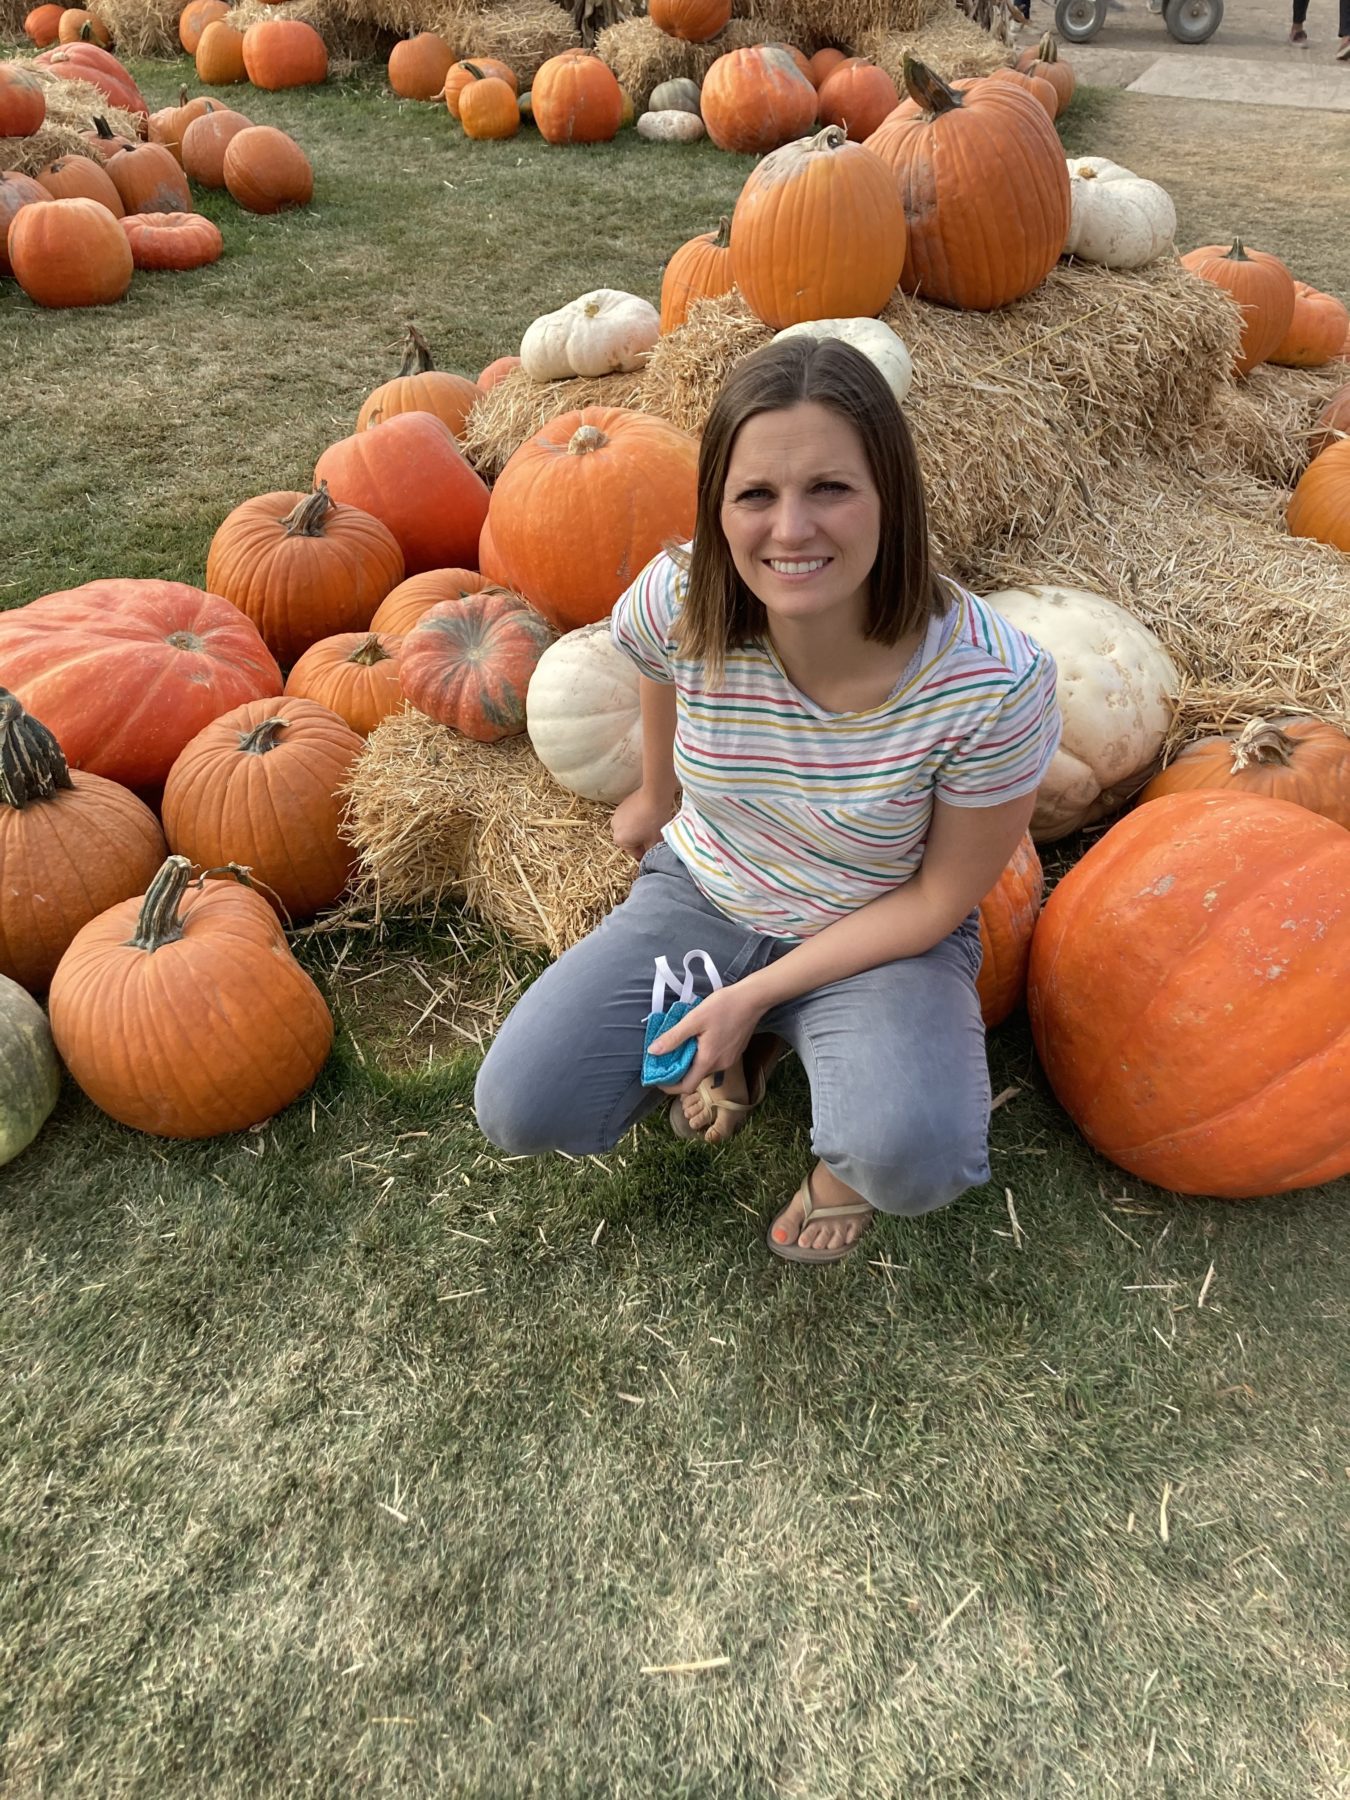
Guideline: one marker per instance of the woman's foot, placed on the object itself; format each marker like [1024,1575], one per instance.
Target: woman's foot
[706,1114]
[819,1194]
[1343,54]
[1298,35]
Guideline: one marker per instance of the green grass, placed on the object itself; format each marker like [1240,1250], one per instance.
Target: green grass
[347,1456]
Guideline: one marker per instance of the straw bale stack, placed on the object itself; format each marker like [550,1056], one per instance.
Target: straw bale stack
[71,109]
[811,24]
[946,41]
[143,27]
[643,57]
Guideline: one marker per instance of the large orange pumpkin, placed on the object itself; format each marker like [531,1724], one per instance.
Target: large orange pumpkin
[1303,761]
[692,21]
[420,386]
[101,69]
[220,55]
[1320,505]
[408,471]
[70,253]
[71,845]
[259,786]
[1316,331]
[756,99]
[125,672]
[419,65]
[354,674]
[188,1016]
[467,663]
[205,142]
[699,270]
[149,179]
[1007,920]
[16,191]
[266,171]
[575,99]
[584,505]
[302,567]
[79,178]
[985,189]
[1188,991]
[856,96]
[23,101]
[1263,289]
[1333,418]
[818,232]
[284,53]
[404,605]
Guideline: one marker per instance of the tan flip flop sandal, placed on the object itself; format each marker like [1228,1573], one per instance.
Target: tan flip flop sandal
[712,1099]
[855,1209]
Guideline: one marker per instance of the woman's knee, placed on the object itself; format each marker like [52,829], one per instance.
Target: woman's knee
[517,1114]
[910,1160]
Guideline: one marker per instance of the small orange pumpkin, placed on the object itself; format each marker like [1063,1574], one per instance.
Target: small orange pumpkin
[23,101]
[354,674]
[206,140]
[496,371]
[1262,287]
[461,74]
[420,386]
[284,53]
[467,663]
[1316,331]
[1046,64]
[80,27]
[81,178]
[856,96]
[699,270]
[1039,89]
[149,179]
[1007,921]
[404,605]
[823,64]
[488,110]
[267,171]
[1304,761]
[220,55]
[419,65]
[42,25]
[194,19]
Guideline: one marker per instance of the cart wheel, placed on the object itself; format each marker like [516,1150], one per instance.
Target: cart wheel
[1193,21]
[1079,21]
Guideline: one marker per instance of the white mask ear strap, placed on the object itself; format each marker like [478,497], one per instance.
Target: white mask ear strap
[710,968]
[666,978]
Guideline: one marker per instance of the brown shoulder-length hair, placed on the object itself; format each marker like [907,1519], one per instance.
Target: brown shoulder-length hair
[720,613]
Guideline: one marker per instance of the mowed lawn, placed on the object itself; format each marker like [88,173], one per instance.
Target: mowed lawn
[349,1457]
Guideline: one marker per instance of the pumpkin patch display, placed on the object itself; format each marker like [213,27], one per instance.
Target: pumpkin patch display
[267,171]
[30,1075]
[1316,331]
[408,472]
[692,21]
[354,674]
[71,845]
[1117,218]
[584,505]
[818,232]
[16,191]
[1303,761]
[124,673]
[166,240]
[1263,289]
[419,65]
[1187,995]
[575,99]
[756,100]
[467,663]
[873,338]
[582,714]
[420,386]
[184,1014]
[23,101]
[1115,690]
[1320,505]
[856,96]
[258,786]
[404,605]
[601,333]
[284,53]
[205,142]
[699,270]
[1007,921]
[302,567]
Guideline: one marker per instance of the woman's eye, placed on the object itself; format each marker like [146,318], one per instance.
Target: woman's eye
[831,487]
[752,494]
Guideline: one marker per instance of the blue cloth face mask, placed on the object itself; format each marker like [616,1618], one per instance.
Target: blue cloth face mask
[674,1065]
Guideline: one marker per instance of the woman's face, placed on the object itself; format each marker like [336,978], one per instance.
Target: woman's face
[802,515]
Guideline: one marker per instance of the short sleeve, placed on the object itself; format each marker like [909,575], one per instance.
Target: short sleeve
[1007,753]
[642,623]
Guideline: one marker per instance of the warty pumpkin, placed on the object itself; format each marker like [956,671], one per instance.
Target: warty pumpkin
[467,663]
[30,1075]
[71,845]
[404,605]
[1303,761]
[1187,995]
[267,171]
[1263,289]
[670,127]
[184,1014]
[699,270]
[194,19]
[354,674]
[818,232]
[756,99]
[575,99]
[418,66]
[1007,921]
[1319,507]
[23,101]
[284,53]
[420,386]
[302,567]
[16,191]
[70,253]
[1316,331]
[692,21]
[220,55]
[259,786]
[205,142]
[408,472]
[172,241]
[856,96]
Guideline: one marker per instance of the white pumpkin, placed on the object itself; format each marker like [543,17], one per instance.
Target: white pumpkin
[1117,218]
[1116,686]
[670,127]
[600,333]
[581,713]
[877,342]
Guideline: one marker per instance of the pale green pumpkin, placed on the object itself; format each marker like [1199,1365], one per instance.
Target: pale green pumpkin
[30,1076]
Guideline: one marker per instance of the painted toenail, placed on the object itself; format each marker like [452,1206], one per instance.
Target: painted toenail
[780,1234]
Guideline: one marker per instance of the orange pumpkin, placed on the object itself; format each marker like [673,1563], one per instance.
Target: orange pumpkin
[259,786]
[1187,995]
[823,64]
[78,26]
[100,68]
[404,605]
[104,143]
[1334,418]
[1263,289]
[220,55]
[80,178]
[70,253]
[1007,920]
[409,473]
[488,109]
[1319,507]
[23,101]
[172,241]
[692,21]
[42,25]
[1316,331]
[818,232]
[467,663]
[496,371]
[284,53]
[205,142]
[354,674]
[699,270]
[302,567]
[584,504]
[16,191]
[267,171]
[984,185]
[1045,63]
[71,845]
[1039,89]
[420,386]
[187,1017]
[149,178]
[194,19]
[856,96]
[575,99]
[1303,761]
[462,74]
[756,99]
[419,65]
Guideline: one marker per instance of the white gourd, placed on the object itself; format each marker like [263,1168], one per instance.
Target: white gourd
[600,333]
[876,341]
[671,127]
[1116,689]
[1117,219]
[581,713]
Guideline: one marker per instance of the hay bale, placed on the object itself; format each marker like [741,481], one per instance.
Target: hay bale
[643,57]
[72,107]
[12,15]
[510,413]
[143,27]
[1265,421]
[946,40]
[521,33]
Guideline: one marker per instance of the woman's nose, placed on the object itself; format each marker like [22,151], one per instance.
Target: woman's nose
[792,519]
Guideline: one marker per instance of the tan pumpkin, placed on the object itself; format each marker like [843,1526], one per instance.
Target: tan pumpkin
[354,674]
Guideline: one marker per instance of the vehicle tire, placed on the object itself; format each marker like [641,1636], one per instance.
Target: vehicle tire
[1079,21]
[1193,21]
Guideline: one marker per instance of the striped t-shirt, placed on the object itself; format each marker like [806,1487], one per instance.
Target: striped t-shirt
[794,817]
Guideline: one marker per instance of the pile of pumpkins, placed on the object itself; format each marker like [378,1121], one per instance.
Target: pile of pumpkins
[574,99]
[271,53]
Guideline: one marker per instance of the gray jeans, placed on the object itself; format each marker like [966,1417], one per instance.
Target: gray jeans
[895,1056]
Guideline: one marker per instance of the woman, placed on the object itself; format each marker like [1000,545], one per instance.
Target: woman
[858,744]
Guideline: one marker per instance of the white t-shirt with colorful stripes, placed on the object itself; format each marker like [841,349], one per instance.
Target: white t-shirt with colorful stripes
[793,817]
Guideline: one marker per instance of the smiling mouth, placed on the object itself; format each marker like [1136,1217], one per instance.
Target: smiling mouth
[797,568]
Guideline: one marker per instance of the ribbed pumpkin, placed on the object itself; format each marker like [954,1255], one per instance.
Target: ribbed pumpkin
[70,253]
[420,386]
[985,188]
[16,191]
[1316,331]
[23,101]
[419,65]
[818,232]
[756,99]
[1007,920]
[699,270]
[80,178]
[1187,993]
[259,786]
[93,64]
[78,26]
[1320,505]
[692,21]
[267,171]
[1333,418]
[284,53]
[1262,287]
[404,605]
[220,55]
[583,714]
[172,241]
[354,674]
[71,845]
[30,1075]
[125,672]
[149,179]
[302,567]
[584,505]
[408,471]
[462,73]
[575,99]
[488,110]
[467,663]
[205,142]
[42,24]
[194,19]
[856,96]
[1045,64]
[1303,761]
[185,1014]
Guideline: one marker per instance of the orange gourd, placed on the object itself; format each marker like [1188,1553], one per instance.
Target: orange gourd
[419,65]
[856,96]
[699,270]
[1007,920]
[354,674]
[692,21]
[1320,505]
[756,99]
[1303,761]
[1262,287]
[1316,331]
[404,605]
[284,53]
[70,253]
[575,99]
[408,472]
[420,386]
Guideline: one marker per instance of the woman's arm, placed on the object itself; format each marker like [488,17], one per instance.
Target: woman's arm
[637,821]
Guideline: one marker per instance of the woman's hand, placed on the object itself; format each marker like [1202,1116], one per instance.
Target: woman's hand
[724,1023]
[637,821]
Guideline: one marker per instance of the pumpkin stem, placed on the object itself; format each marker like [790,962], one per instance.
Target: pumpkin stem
[416,353]
[158,922]
[477,73]
[369,652]
[1048,48]
[1237,253]
[32,764]
[829,139]
[927,89]
[723,239]
[1262,741]
[310,517]
[263,737]
[103,129]
[182,94]
[585,439]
